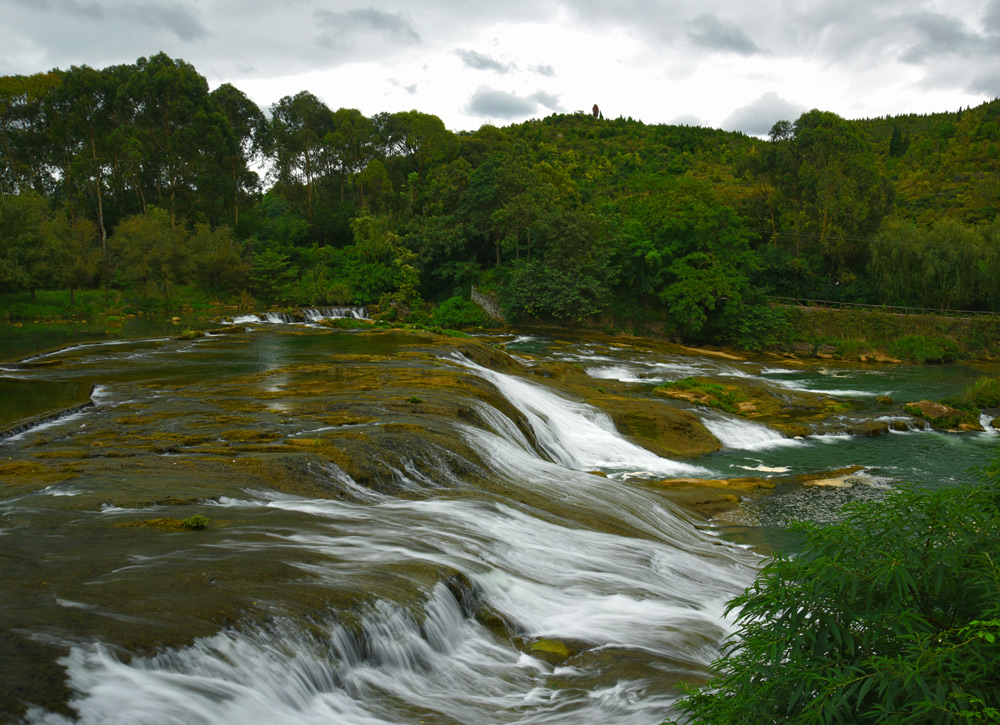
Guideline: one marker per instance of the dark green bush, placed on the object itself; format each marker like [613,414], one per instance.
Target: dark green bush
[922,349]
[458,312]
[892,616]
[983,393]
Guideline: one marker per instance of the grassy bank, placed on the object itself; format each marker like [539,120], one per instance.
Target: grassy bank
[857,334]
[55,305]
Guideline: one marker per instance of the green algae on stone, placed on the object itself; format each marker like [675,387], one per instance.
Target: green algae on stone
[943,417]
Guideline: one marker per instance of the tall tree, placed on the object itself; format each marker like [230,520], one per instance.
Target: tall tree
[25,142]
[174,125]
[246,142]
[299,125]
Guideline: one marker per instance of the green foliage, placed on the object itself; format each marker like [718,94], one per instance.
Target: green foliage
[708,393]
[151,252]
[947,265]
[458,312]
[757,327]
[984,392]
[921,349]
[820,190]
[535,289]
[892,616]
[195,522]
[571,277]
[138,177]
[271,274]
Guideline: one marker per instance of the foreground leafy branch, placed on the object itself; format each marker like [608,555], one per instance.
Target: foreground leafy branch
[892,616]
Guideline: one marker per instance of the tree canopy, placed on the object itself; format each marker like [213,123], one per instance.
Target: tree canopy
[566,218]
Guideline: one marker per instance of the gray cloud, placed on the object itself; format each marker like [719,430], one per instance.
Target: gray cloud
[391,26]
[939,35]
[712,32]
[548,100]
[854,46]
[991,18]
[174,17]
[757,117]
[987,83]
[488,102]
[478,61]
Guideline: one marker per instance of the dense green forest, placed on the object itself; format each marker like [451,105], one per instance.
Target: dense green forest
[140,181]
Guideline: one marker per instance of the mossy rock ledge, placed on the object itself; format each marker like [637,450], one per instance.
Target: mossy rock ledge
[942,416]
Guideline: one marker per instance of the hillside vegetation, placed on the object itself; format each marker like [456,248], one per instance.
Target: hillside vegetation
[140,181]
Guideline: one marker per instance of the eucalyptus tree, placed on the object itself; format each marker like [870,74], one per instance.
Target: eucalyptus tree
[172,121]
[842,191]
[70,255]
[348,146]
[412,142]
[300,125]
[87,98]
[246,143]
[25,143]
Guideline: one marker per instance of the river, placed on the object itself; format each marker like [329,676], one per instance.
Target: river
[402,527]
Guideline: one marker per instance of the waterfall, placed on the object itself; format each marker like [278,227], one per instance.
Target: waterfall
[335,313]
[656,600]
[490,579]
[741,434]
[311,314]
[986,421]
[45,420]
[579,436]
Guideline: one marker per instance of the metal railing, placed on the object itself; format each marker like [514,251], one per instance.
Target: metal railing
[889,309]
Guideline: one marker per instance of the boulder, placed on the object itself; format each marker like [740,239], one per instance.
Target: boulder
[942,416]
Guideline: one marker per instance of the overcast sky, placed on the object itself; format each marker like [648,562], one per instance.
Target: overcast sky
[729,64]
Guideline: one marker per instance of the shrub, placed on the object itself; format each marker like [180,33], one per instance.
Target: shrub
[891,616]
[759,327]
[983,393]
[921,349]
[458,312]
[195,522]
[708,393]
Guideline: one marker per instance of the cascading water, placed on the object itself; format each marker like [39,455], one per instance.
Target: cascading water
[335,313]
[545,594]
[742,434]
[309,315]
[395,537]
[577,435]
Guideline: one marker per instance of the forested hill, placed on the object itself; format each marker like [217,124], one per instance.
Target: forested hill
[140,180]
[942,164]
